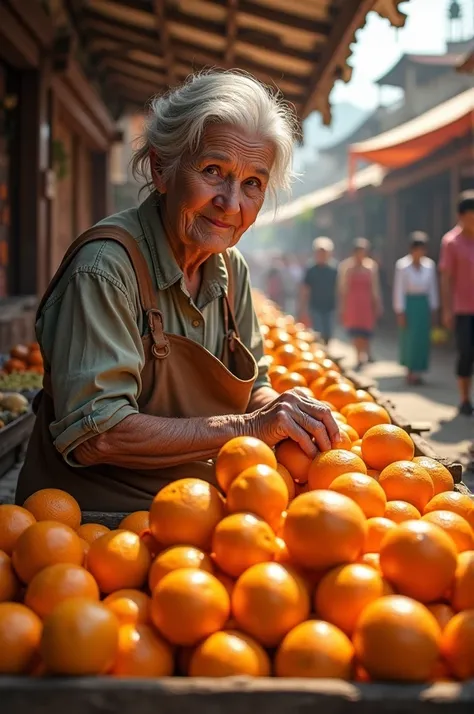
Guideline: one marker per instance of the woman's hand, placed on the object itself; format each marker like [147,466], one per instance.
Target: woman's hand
[295,416]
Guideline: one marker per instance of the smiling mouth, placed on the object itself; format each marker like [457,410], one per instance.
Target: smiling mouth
[217,224]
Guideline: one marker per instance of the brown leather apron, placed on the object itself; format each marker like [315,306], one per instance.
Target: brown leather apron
[180,379]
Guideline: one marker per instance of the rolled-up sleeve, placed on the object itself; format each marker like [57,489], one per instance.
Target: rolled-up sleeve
[247,320]
[96,356]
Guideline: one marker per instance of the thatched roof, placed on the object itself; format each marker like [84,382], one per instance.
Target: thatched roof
[301,46]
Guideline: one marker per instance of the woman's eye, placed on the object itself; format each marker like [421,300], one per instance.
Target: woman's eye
[211,170]
[254,183]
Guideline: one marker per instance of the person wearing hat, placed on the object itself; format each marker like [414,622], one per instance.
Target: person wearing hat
[415,298]
[360,300]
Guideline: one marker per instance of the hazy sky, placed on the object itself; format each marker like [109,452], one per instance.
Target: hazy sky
[379,46]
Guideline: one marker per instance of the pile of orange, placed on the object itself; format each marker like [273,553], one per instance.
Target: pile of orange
[357,564]
[24,358]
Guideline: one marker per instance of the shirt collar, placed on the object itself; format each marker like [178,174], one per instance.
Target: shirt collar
[167,271]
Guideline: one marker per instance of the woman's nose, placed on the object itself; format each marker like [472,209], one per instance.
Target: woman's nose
[228,199]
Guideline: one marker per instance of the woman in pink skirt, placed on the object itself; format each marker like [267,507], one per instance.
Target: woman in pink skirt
[360,298]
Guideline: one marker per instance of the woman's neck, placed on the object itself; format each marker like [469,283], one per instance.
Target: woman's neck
[188,258]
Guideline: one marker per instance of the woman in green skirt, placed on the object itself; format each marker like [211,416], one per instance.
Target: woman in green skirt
[415,298]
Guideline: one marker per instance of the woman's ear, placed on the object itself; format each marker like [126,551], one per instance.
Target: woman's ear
[156,174]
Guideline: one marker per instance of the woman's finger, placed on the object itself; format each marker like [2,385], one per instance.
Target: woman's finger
[316,428]
[322,414]
[301,437]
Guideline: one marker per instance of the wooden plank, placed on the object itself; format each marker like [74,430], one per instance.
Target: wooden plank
[161,14]
[231,32]
[17,45]
[35,19]
[232,695]
[320,28]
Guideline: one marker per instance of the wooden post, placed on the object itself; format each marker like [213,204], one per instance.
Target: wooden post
[393,227]
[455,183]
[34,213]
[101,190]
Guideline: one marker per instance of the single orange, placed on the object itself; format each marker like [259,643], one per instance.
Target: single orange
[339,394]
[462,595]
[9,583]
[457,645]
[364,415]
[275,371]
[20,635]
[174,558]
[91,531]
[363,490]
[130,606]
[290,380]
[57,583]
[350,431]
[288,479]
[442,479]
[118,560]
[370,559]
[455,526]
[407,481]
[323,529]
[286,354]
[401,511]
[13,521]
[442,613]
[53,504]
[136,522]
[189,605]
[45,543]
[185,512]
[453,501]
[397,638]
[268,600]
[237,455]
[294,459]
[384,444]
[328,465]
[241,540]
[315,650]
[142,653]
[80,637]
[229,654]
[419,559]
[363,396]
[377,528]
[357,450]
[259,490]
[309,370]
[344,593]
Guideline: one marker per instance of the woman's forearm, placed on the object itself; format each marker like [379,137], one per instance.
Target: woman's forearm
[143,442]
[261,397]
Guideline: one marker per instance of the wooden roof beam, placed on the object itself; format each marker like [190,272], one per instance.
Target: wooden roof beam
[165,41]
[231,33]
[334,56]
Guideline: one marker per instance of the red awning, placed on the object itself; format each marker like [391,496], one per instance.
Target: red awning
[419,137]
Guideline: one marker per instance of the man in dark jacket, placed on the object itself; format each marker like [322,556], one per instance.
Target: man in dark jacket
[318,290]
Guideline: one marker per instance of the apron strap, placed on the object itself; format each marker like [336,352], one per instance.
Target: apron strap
[229,301]
[146,289]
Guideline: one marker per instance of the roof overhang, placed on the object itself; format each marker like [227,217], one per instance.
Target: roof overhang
[139,48]
[370,176]
[412,141]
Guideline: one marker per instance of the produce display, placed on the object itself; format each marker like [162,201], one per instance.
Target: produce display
[21,377]
[356,565]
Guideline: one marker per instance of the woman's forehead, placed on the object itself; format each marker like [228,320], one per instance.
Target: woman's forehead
[229,144]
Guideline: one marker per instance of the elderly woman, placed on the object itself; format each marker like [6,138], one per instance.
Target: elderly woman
[151,344]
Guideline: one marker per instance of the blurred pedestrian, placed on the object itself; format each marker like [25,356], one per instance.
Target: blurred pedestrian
[457,293]
[318,289]
[415,299]
[360,301]
[275,284]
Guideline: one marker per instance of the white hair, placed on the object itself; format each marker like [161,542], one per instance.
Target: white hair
[177,120]
[323,243]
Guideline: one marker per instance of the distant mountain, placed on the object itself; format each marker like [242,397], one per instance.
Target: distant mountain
[345,119]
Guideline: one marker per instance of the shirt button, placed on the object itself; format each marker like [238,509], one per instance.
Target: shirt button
[196,323]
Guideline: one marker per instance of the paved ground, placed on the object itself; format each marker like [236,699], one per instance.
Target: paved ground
[435,402]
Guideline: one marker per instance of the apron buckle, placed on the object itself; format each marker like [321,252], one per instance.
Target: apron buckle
[161,347]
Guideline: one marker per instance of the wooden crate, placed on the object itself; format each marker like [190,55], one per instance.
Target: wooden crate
[13,440]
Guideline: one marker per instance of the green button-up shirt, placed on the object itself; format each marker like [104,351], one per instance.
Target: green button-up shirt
[91,326]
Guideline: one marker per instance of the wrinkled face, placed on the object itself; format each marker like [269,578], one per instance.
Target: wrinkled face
[466,221]
[217,193]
